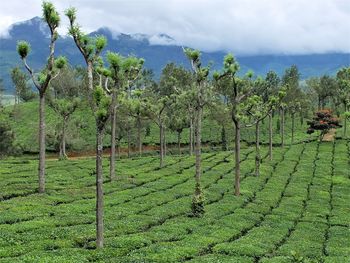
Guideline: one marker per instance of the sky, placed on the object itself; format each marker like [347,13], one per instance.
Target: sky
[246,27]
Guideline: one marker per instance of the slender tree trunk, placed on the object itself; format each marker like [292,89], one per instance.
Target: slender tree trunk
[224,146]
[41,143]
[164,142]
[118,149]
[237,157]
[161,154]
[113,134]
[139,140]
[191,135]
[90,77]
[63,154]
[319,103]
[345,121]
[282,128]
[198,137]
[257,148]
[99,188]
[129,142]
[179,142]
[270,136]
[293,124]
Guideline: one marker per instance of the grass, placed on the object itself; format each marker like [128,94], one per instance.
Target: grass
[297,210]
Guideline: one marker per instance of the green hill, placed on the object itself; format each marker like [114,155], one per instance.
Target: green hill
[23,119]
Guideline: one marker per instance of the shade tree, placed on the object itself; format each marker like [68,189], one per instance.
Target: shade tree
[43,78]
[91,48]
[202,93]
[272,86]
[258,108]
[323,121]
[138,108]
[123,71]
[237,91]
[343,92]
[290,83]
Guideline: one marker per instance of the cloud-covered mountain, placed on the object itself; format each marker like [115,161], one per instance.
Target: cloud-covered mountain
[157,50]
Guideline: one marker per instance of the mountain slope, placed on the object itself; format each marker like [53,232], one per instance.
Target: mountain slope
[157,50]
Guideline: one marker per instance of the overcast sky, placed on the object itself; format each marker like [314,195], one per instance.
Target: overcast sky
[240,26]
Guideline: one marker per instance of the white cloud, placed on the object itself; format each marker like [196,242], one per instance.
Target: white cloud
[240,26]
[161,39]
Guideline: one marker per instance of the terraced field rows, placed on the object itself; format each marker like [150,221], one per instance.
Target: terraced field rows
[292,206]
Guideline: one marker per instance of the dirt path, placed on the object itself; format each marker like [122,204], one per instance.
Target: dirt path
[329,137]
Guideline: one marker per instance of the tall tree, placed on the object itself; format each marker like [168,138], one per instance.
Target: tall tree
[324,88]
[64,107]
[158,105]
[258,108]
[343,92]
[123,72]
[91,48]
[290,82]
[219,112]
[294,108]
[201,95]
[178,120]
[138,109]
[42,81]
[64,99]
[237,91]
[272,82]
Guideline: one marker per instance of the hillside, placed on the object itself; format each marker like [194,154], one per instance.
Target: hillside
[298,203]
[157,50]
[24,122]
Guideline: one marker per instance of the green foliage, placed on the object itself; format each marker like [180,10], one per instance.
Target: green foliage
[100,43]
[192,54]
[19,79]
[102,101]
[60,62]
[50,15]
[23,48]
[283,210]
[115,60]
[71,13]
[7,145]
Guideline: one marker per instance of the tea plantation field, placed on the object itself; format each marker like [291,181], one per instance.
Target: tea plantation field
[297,210]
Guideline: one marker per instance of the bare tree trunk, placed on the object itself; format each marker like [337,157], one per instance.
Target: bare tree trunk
[129,143]
[161,144]
[113,134]
[293,124]
[282,128]
[345,122]
[99,188]
[63,154]
[198,135]
[179,142]
[257,148]
[319,103]
[237,157]
[270,136]
[191,135]
[41,143]
[118,149]
[139,140]
[164,142]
